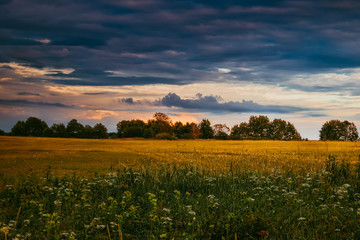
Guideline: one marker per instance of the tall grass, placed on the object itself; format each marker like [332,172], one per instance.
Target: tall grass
[185,203]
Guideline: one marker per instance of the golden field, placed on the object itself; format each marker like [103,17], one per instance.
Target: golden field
[22,155]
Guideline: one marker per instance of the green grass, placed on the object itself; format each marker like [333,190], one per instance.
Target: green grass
[184,203]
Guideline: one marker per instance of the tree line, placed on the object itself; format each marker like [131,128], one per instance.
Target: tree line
[162,127]
[37,128]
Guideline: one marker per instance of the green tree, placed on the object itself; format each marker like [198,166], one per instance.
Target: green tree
[206,131]
[35,127]
[87,132]
[74,129]
[132,128]
[160,123]
[187,131]
[291,132]
[240,132]
[18,129]
[221,131]
[337,130]
[100,131]
[59,130]
[2,132]
[259,127]
[350,131]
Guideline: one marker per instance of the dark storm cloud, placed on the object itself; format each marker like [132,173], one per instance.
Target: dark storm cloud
[212,104]
[27,103]
[127,100]
[27,94]
[170,41]
[95,93]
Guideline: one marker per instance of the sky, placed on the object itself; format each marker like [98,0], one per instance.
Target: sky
[112,60]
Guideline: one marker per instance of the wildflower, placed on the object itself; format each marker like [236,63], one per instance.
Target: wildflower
[167,219]
[100,226]
[166,210]
[211,197]
[191,212]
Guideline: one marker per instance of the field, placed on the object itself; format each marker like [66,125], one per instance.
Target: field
[204,189]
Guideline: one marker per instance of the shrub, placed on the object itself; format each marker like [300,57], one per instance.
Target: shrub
[165,136]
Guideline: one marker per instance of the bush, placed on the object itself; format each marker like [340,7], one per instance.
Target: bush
[165,136]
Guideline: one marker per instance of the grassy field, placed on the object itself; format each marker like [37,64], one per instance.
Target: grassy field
[146,189]
[19,155]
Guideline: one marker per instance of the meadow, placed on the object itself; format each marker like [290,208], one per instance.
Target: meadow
[189,189]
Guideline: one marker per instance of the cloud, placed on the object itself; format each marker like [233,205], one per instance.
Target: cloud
[45,41]
[95,93]
[28,94]
[224,70]
[127,100]
[26,103]
[212,104]
[28,71]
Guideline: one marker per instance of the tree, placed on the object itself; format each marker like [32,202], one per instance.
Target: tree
[291,133]
[240,132]
[221,131]
[160,123]
[350,131]
[187,131]
[18,129]
[178,129]
[74,129]
[87,132]
[206,131]
[2,132]
[100,131]
[195,131]
[277,129]
[59,130]
[259,127]
[337,130]
[35,127]
[132,128]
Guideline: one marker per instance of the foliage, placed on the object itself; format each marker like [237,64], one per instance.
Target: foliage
[31,127]
[240,132]
[132,128]
[18,129]
[161,123]
[186,131]
[75,129]
[99,131]
[182,203]
[206,131]
[165,136]
[58,130]
[260,128]
[2,132]
[221,131]
[337,130]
